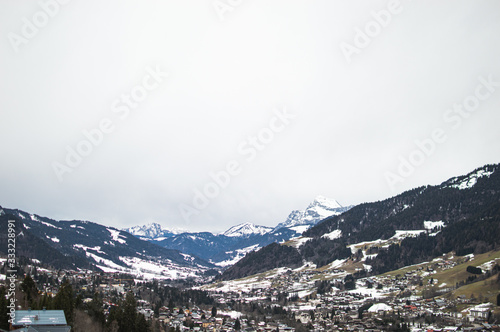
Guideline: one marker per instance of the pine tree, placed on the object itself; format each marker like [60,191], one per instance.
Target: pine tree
[171,304]
[115,316]
[4,319]
[141,325]
[95,309]
[64,300]
[28,287]
[129,309]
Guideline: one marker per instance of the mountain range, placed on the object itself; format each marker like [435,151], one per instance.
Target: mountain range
[460,215]
[226,248]
[79,244]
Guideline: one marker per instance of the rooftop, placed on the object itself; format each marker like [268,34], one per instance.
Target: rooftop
[39,317]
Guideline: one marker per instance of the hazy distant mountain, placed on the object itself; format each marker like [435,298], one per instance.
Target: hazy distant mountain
[228,247]
[246,229]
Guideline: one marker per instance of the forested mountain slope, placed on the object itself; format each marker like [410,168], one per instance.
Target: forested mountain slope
[466,210]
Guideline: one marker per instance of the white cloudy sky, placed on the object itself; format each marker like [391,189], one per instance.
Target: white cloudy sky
[353,120]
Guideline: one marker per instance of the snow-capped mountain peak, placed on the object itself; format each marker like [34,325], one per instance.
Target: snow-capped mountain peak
[227,247]
[150,231]
[318,210]
[325,202]
[246,229]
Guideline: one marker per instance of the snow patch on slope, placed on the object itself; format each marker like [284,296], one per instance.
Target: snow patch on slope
[299,241]
[54,239]
[433,224]
[240,253]
[333,235]
[115,235]
[404,234]
[35,218]
[96,248]
[75,226]
[470,180]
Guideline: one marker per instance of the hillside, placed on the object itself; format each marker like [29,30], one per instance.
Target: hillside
[462,214]
[87,245]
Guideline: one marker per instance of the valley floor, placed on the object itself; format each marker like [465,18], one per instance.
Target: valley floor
[436,295]
[440,295]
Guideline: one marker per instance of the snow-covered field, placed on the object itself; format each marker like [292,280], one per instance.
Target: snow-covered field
[488,266]
[141,268]
[240,253]
[404,234]
[154,270]
[336,264]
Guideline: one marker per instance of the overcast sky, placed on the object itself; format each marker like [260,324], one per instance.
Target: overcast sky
[121,112]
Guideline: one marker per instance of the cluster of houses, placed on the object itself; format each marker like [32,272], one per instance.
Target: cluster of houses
[373,304]
[196,319]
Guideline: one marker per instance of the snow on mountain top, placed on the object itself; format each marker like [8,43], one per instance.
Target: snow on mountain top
[35,218]
[325,202]
[318,210]
[141,230]
[246,229]
[470,180]
[151,231]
